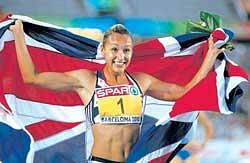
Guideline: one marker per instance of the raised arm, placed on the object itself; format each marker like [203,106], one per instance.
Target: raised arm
[169,91]
[49,80]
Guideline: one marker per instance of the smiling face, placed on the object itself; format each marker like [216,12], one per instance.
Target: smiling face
[117,51]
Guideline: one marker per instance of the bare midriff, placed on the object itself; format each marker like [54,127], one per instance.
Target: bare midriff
[114,141]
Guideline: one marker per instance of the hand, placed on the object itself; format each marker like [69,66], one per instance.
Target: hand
[213,51]
[17,28]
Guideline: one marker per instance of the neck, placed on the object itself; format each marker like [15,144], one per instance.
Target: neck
[114,78]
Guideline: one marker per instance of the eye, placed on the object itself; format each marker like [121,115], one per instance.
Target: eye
[127,50]
[114,49]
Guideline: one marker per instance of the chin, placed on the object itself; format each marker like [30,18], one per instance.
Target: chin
[119,70]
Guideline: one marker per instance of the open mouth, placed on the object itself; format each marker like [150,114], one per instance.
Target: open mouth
[120,63]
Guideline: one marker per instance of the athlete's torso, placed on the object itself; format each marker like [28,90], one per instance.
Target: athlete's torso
[115,113]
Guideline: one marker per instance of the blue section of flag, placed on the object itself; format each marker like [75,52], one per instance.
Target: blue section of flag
[189,39]
[67,151]
[229,33]
[158,137]
[14,144]
[62,40]
[234,96]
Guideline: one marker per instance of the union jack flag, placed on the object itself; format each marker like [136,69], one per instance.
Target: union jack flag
[39,125]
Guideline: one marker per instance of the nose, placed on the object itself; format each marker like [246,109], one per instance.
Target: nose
[120,55]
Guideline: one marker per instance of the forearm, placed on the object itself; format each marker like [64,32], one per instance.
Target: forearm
[25,62]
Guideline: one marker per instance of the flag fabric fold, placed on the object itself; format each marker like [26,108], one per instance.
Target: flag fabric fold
[54,123]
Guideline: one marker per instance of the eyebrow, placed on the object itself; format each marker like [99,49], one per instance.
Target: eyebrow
[119,45]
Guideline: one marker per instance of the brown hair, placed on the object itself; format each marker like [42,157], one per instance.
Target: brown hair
[117,28]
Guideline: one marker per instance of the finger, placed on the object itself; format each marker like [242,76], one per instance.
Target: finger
[11,27]
[222,50]
[210,37]
[210,40]
[18,21]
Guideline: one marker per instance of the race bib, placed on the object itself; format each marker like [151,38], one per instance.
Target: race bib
[119,104]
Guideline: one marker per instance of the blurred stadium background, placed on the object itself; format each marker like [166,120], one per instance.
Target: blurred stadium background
[147,19]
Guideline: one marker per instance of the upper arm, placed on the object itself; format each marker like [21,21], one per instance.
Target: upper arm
[60,81]
[159,89]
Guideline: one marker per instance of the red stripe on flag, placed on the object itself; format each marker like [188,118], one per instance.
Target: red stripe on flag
[218,35]
[203,96]
[234,70]
[2,98]
[161,159]
[47,128]
[149,48]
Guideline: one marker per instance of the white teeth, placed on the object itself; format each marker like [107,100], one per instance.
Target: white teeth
[117,62]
